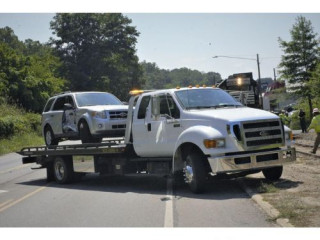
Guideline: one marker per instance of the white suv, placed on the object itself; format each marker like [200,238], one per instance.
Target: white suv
[88,116]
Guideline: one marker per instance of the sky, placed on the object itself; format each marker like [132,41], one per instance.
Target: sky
[190,39]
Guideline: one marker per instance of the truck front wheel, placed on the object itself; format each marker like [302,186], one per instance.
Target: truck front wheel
[62,170]
[272,174]
[194,171]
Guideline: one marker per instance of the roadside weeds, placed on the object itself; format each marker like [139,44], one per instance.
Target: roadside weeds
[294,200]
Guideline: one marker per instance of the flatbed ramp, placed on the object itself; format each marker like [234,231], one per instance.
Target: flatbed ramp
[111,146]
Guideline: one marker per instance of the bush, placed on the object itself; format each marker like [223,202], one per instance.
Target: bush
[18,122]
[6,127]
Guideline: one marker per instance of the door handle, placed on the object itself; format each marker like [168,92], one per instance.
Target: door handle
[149,127]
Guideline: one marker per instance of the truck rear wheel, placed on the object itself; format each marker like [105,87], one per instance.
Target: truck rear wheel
[272,174]
[194,171]
[63,170]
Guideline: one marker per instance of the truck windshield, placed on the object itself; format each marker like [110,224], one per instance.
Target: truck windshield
[94,99]
[206,98]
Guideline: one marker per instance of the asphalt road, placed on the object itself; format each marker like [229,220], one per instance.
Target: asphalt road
[27,200]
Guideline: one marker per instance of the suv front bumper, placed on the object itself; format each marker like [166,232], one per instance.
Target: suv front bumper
[252,161]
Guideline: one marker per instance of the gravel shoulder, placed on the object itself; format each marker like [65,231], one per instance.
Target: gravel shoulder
[296,196]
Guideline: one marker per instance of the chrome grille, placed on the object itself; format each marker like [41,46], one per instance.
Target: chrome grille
[259,134]
[114,115]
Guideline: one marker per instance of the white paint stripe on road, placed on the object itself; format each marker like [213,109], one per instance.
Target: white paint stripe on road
[168,216]
[3,191]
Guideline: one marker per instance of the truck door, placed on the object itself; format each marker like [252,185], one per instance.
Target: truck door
[140,126]
[156,135]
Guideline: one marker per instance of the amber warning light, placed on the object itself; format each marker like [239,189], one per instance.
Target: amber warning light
[136,92]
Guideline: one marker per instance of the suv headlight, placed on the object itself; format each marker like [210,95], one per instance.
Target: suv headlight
[214,143]
[102,115]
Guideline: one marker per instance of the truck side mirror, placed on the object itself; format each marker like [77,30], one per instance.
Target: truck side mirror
[155,106]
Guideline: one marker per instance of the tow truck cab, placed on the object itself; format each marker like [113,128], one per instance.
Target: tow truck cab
[207,127]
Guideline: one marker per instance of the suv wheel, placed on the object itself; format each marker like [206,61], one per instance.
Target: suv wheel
[85,134]
[49,138]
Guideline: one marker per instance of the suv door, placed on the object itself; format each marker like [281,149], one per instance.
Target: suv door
[69,123]
[56,115]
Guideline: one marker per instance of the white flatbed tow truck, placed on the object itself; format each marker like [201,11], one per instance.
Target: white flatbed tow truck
[194,132]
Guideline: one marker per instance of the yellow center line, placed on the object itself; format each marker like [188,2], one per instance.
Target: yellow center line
[2,208]
[3,204]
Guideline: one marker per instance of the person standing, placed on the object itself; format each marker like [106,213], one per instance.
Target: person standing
[302,118]
[315,124]
[285,119]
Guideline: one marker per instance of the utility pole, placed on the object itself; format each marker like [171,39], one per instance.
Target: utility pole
[274,75]
[259,81]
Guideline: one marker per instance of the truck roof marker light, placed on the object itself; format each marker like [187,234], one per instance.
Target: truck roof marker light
[204,86]
[190,86]
[197,86]
[177,87]
[213,86]
[135,92]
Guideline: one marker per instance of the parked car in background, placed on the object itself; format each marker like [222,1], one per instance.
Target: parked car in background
[88,116]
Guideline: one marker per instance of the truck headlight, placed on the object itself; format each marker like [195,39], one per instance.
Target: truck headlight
[214,143]
[102,115]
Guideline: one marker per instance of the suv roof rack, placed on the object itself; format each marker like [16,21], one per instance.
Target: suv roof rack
[62,93]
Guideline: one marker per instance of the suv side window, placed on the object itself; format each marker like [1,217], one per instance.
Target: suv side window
[143,107]
[69,100]
[61,101]
[59,104]
[169,107]
[48,105]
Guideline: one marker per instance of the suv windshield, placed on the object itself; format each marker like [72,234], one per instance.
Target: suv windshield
[206,98]
[94,99]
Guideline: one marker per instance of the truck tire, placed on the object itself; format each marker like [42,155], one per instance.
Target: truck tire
[63,170]
[194,170]
[85,134]
[272,174]
[50,173]
[49,138]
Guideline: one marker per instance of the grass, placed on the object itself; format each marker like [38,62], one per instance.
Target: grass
[25,131]
[290,207]
[267,188]
[17,142]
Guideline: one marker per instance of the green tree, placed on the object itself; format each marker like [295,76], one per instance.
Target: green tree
[8,37]
[300,58]
[28,75]
[98,51]
[156,78]
[314,83]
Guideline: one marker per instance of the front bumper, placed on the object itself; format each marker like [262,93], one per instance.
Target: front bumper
[107,128]
[252,161]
